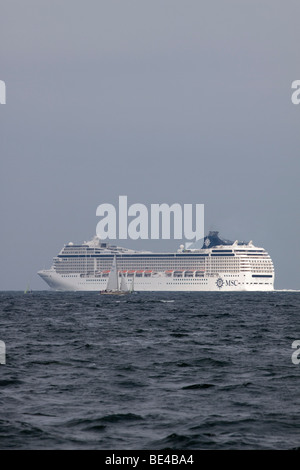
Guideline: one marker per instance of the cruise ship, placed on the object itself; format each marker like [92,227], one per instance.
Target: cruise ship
[220,265]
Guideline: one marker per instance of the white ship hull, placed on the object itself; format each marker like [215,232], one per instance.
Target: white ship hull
[161,283]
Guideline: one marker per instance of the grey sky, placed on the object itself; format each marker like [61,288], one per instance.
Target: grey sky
[163,101]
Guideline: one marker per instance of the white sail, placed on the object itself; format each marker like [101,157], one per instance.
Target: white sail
[112,283]
[123,286]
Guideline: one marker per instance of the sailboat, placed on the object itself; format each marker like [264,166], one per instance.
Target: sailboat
[113,287]
[27,290]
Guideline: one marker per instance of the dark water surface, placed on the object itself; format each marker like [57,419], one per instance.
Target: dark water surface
[149,371]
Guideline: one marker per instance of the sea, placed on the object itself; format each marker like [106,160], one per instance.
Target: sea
[213,371]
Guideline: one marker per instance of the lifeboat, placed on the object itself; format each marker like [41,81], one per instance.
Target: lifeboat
[139,273]
[199,273]
[178,273]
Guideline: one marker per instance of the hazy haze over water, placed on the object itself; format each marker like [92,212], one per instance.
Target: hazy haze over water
[169,101]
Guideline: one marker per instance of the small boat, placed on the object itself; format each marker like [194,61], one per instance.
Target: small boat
[27,290]
[113,287]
